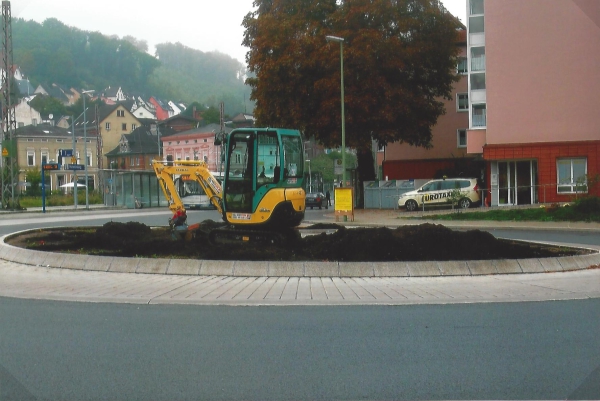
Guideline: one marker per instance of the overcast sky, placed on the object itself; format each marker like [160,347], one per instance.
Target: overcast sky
[205,25]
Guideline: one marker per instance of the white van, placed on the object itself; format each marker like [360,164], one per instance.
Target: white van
[437,193]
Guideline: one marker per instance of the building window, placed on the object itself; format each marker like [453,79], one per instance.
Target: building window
[30,140]
[107,126]
[477,81]
[89,158]
[475,7]
[462,102]
[34,121]
[21,125]
[44,156]
[461,68]
[31,158]
[478,58]
[479,115]
[124,126]
[120,113]
[476,25]
[133,127]
[461,138]
[572,175]
[59,140]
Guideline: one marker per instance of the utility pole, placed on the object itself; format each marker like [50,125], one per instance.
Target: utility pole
[10,166]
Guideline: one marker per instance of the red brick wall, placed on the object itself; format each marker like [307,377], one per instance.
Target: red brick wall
[414,169]
[546,155]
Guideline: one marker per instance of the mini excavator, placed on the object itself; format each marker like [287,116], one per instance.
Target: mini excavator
[261,196]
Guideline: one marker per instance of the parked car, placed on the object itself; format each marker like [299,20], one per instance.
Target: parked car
[439,193]
[316,199]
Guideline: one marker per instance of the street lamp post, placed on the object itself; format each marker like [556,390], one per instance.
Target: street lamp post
[341,42]
[85,163]
[309,178]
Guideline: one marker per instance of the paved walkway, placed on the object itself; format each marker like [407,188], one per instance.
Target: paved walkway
[24,274]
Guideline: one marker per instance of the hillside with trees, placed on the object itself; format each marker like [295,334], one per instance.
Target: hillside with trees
[52,52]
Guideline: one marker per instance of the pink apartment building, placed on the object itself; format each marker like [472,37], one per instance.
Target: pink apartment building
[532,83]
[534,92]
[449,137]
[195,144]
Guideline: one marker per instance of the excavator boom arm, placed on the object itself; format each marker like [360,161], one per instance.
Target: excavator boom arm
[195,170]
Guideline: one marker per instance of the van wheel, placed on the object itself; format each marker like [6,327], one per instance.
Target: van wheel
[464,203]
[411,205]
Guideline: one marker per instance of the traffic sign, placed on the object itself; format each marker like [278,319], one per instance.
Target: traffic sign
[75,167]
[51,166]
[66,152]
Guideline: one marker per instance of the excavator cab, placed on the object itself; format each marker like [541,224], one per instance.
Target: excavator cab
[263,178]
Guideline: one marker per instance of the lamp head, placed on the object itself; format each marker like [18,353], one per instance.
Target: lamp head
[334,39]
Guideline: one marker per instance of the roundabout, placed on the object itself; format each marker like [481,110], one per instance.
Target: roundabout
[44,275]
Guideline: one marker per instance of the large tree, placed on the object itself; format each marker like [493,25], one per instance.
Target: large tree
[399,63]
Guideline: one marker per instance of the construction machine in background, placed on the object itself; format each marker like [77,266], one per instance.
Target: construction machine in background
[261,197]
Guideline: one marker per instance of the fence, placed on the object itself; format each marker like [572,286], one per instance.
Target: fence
[385,194]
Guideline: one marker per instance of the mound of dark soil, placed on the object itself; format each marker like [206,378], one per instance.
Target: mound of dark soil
[407,243]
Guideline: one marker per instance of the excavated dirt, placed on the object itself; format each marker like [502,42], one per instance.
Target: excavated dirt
[407,243]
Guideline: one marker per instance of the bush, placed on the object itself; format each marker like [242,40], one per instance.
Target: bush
[587,205]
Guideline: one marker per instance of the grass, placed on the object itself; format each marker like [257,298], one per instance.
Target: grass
[60,199]
[585,210]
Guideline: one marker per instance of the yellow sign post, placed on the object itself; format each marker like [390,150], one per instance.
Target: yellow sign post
[344,203]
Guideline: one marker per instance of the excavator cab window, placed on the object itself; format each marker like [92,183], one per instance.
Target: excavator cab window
[240,172]
[267,158]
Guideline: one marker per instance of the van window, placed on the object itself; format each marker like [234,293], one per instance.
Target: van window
[449,184]
[431,186]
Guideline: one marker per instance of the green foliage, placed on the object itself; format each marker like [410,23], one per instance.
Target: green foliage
[211,115]
[587,205]
[59,198]
[34,178]
[48,105]
[187,73]
[454,196]
[324,164]
[53,52]
[584,209]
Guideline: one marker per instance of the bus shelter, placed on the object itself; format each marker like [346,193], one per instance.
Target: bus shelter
[132,189]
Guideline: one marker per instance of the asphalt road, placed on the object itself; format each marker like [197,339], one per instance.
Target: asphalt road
[79,351]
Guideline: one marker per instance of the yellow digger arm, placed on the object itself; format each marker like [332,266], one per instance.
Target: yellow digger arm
[195,170]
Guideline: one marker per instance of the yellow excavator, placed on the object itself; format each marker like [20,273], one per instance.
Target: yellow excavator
[261,196]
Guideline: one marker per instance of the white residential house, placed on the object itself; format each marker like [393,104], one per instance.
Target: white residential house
[143,111]
[114,94]
[25,114]
[177,108]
